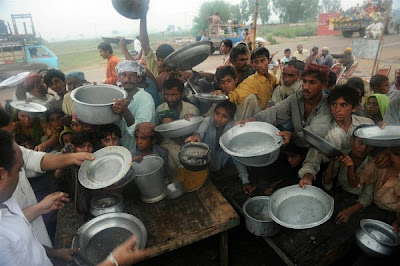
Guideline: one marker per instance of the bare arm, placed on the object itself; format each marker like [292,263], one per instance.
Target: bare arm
[328,174]
[54,201]
[144,36]
[57,161]
[127,54]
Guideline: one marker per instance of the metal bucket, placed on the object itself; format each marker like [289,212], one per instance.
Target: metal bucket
[258,220]
[150,178]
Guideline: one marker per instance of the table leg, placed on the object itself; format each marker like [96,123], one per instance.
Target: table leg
[223,249]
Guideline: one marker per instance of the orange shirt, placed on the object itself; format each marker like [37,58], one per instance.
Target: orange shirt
[111,74]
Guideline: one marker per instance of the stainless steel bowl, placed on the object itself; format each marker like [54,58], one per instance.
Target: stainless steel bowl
[259,161]
[106,203]
[99,236]
[209,98]
[195,156]
[180,127]
[133,9]
[376,238]
[298,208]
[320,144]
[93,103]
[375,136]
[175,190]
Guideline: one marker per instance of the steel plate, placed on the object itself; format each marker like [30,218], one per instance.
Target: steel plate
[110,166]
[180,127]
[375,136]
[14,80]
[381,232]
[298,208]
[321,145]
[30,107]
[252,139]
[209,98]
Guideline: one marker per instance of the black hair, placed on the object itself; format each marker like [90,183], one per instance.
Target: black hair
[356,83]
[377,80]
[238,49]
[349,94]
[229,106]
[164,50]
[105,46]
[50,112]
[7,153]
[79,139]
[314,48]
[260,52]
[297,64]
[5,118]
[104,131]
[332,78]
[287,50]
[51,73]
[228,43]
[321,76]
[293,148]
[172,83]
[224,71]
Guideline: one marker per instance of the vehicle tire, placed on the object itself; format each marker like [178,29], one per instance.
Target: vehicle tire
[347,34]
[362,32]
[391,27]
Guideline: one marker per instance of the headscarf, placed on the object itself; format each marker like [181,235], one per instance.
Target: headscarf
[32,78]
[320,68]
[130,66]
[76,74]
[65,131]
[146,129]
[383,102]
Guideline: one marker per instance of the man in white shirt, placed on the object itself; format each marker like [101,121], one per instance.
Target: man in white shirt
[137,45]
[301,54]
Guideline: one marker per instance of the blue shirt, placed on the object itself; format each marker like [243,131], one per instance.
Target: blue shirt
[153,91]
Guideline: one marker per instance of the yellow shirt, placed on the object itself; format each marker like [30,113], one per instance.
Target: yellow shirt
[151,61]
[256,84]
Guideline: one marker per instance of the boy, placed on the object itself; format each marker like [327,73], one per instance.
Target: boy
[380,84]
[209,132]
[286,59]
[107,135]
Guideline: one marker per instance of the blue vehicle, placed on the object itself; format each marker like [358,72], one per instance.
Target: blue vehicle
[235,38]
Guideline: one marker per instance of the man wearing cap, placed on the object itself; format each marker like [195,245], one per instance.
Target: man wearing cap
[346,59]
[74,80]
[326,58]
[138,107]
[106,52]
[37,90]
[301,54]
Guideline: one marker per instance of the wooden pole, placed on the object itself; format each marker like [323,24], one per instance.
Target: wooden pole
[253,37]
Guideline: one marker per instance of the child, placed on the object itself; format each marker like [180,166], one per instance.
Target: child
[65,137]
[380,84]
[107,135]
[377,105]
[210,130]
[353,161]
[52,128]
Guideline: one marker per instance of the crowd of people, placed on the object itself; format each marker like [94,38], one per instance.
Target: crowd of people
[40,155]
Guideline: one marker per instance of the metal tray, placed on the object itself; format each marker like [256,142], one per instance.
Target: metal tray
[252,139]
[188,57]
[209,98]
[14,80]
[298,208]
[110,166]
[180,127]
[375,136]
[99,236]
[30,107]
[321,145]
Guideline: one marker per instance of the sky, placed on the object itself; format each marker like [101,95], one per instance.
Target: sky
[74,19]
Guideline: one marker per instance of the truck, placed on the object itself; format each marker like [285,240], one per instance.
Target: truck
[216,39]
[20,52]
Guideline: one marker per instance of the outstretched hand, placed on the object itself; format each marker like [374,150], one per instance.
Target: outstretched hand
[128,253]
[54,201]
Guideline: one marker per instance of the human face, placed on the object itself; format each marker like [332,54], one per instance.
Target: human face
[9,178]
[85,147]
[324,52]
[360,149]
[143,143]
[227,83]
[312,87]
[221,117]
[287,54]
[289,75]
[103,54]
[55,121]
[300,48]
[224,49]
[42,87]
[110,140]
[57,85]
[160,65]
[341,110]
[384,88]
[315,51]
[73,83]
[66,138]
[260,63]
[129,80]
[25,119]
[294,159]
[373,107]
[173,97]
[241,62]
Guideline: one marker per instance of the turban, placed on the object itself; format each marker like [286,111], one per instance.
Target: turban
[32,79]
[320,68]
[76,74]
[146,129]
[130,66]
[348,49]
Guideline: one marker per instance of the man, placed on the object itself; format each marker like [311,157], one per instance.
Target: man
[286,59]
[343,102]
[395,85]
[301,54]
[392,116]
[174,91]
[138,107]
[326,59]
[18,243]
[106,52]
[226,46]
[215,20]
[380,84]
[239,58]
[307,108]
[74,80]
[346,59]
[37,90]
[313,57]
[55,80]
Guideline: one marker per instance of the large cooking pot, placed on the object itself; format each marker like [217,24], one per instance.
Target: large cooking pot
[150,178]
[258,220]
[133,9]
[93,103]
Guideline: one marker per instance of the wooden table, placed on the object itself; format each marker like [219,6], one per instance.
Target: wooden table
[170,224]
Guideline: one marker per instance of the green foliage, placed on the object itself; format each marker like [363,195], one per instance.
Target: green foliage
[310,29]
[331,5]
[241,12]
[293,11]
[207,9]
[264,11]
[271,39]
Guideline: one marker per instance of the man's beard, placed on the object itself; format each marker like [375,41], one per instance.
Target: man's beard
[286,91]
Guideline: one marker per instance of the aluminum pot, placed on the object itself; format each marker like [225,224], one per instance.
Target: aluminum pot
[93,103]
[195,156]
[106,203]
[258,221]
[150,178]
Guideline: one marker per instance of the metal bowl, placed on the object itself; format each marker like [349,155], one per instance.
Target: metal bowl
[320,144]
[376,238]
[180,127]
[133,9]
[375,136]
[259,161]
[252,139]
[99,236]
[175,190]
[14,80]
[195,156]
[298,208]
[110,165]
[93,103]
[209,98]
[106,203]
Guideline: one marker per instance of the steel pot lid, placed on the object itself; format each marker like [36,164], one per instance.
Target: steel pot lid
[14,80]
[320,144]
[133,9]
[30,107]
[188,57]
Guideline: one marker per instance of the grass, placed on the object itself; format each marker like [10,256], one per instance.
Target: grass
[310,29]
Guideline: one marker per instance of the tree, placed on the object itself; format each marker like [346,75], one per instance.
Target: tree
[293,11]
[264,11]
[240,12]
[331,5]
[207,9]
